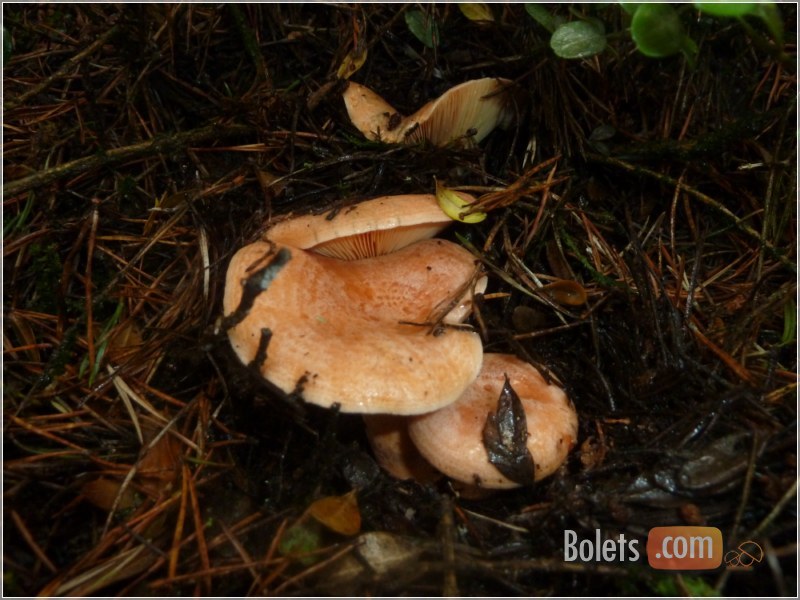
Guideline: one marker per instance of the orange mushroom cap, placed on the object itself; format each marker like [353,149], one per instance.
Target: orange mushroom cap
[451,438]
[339,332]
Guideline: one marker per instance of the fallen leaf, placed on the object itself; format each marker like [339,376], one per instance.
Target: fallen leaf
[476,11]
[456,206]
[338,513]
[566,291]
[354,60]
[505,437]
[103,491]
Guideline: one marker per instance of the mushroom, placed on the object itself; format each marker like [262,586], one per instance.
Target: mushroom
[369,228]
[451,438]
[394,450]
[372,228]
[351,333]
[466,113]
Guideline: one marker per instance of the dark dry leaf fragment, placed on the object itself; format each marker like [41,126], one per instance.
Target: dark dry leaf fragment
[394,121]
[505,437]
[254,285]
[261,353]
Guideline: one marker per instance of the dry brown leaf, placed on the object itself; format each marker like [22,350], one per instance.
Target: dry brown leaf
[566,291]
[338,513]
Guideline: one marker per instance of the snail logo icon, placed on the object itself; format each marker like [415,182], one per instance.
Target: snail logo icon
[745,556]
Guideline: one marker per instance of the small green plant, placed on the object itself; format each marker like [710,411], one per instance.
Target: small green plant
[656,28]
[658,32]
[696,587]
[581,38]
[104,339]
[789,323]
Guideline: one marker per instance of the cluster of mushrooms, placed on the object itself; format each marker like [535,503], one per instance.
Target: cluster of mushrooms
[363,309]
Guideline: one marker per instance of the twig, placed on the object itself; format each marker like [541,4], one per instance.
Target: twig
[776,510]
[26,535]
[158,145]
[199,529]
[63,71]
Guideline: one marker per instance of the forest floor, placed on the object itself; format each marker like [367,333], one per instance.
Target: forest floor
[145,143]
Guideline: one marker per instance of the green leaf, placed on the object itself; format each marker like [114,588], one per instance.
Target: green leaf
[423,27]
[542,16]
[658,32]
[726,9]
[789,323]
[629,7]
[769,13]
[578,39]
[299,541]
[19,220]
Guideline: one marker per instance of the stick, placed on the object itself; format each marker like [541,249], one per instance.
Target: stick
[158,145]
[63,71]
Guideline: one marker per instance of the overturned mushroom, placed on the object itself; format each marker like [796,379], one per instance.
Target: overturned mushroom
[350,333]
[453,438]
[376,227]
[466,113]
[369,228]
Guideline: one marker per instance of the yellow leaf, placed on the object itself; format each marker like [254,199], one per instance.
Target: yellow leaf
[338,513]
[455,205]
[477,11]
[354,60]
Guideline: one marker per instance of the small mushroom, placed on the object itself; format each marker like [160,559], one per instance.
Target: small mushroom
[451,438]
[466,114]
[351,333]
[394,450]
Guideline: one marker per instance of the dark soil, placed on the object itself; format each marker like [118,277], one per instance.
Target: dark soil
[144,144]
